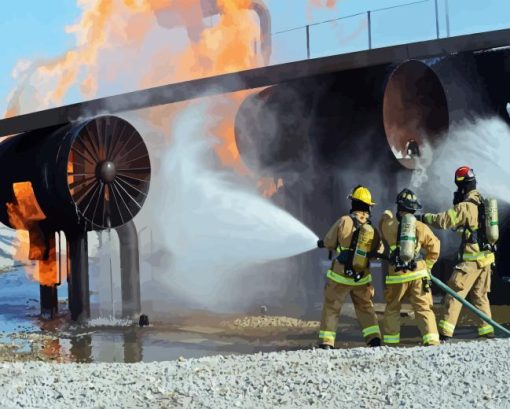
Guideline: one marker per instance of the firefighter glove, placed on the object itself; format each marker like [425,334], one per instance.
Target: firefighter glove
[426,218]
[320,244]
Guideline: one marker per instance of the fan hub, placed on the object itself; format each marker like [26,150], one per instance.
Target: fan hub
[106,171]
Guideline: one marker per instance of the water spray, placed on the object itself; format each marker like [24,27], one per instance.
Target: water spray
[215,225]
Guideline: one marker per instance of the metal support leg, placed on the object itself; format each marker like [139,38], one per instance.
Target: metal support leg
[78,277]
[48,293]
[49,301]
[129,269]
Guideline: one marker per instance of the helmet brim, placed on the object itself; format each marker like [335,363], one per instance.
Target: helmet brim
[362,201]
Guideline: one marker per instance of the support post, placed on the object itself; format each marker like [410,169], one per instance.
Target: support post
[78,277]
[129,269]
[308,41]
[48,276]
[49,301]
[437,17]
[369,24]
[447,15]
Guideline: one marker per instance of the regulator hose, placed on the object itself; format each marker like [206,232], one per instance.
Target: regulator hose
[505,333]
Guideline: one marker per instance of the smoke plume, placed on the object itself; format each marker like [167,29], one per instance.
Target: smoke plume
[212,225]
[481,144]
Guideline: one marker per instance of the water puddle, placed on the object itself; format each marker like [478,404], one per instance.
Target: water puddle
[24,335]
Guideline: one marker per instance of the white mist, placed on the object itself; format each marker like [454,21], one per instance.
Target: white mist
[212,225]
[483,145]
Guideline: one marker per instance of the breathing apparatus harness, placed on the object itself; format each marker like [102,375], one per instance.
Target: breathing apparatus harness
[395,259]
[477,235]
[411,265]
[346,256]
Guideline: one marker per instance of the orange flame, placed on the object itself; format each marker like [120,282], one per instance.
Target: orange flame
[113,34]
[47,273]
[24,214]
[109,29]
[269,186]
[324,3]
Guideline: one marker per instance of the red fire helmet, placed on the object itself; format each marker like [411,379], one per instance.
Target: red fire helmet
[464,174]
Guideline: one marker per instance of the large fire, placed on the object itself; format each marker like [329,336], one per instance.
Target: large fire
[24,214]
[148,43]
[110,32]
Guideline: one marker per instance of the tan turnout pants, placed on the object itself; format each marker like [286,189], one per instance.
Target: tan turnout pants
[334,298]
[474,282]
[421,302]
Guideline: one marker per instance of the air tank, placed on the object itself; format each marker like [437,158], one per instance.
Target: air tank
[491,220]
[407,238]
[363,247]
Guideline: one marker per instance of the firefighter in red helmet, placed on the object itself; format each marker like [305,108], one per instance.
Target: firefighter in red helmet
[472,274]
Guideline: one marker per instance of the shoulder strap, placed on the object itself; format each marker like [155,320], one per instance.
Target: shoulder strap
[356,222]
[354,241]
[478,235]
[397,242]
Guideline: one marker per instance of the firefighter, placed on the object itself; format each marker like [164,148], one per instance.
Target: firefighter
[353,238]
[472,275]
[409,271]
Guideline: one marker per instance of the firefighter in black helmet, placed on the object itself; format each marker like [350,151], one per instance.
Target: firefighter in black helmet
[409,271]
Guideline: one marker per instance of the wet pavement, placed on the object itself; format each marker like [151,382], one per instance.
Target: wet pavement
[26,336]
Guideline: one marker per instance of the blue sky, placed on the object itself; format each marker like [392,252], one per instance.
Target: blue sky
[34,28]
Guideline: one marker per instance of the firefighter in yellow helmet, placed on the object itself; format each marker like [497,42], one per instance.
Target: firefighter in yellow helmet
[354,238]
[409,270]
[472,275]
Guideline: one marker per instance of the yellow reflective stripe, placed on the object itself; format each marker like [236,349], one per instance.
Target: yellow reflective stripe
[393,247]
[430,264]
[428,218]
[486,329]
[374,329]
[392,339]
[477,256]
[446,326]
[406,277]
[340,279]
[327,335]
[430,337]
[452,213]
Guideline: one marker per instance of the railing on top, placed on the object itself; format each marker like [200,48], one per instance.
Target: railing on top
[361,31]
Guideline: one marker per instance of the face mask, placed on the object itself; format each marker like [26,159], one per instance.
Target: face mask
[458,197]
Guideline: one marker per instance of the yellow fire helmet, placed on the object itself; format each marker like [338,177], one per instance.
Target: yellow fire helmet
[362,194]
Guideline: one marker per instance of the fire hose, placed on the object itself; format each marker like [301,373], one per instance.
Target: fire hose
[502,330]
[505,332]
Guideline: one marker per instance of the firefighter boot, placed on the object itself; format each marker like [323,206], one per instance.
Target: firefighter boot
[325,346]
[374,342]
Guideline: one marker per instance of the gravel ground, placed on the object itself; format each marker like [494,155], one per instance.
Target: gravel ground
[257,322]
[468,375]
